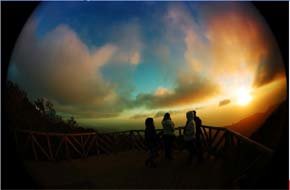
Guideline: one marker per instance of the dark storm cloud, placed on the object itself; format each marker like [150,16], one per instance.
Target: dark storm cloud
[270,67]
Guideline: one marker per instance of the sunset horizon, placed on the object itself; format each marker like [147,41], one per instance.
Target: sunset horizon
[116,65]
[145,95]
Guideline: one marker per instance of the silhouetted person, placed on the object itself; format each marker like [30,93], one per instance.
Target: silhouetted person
[168,135]
[189,133]
[152,140]
[198,136]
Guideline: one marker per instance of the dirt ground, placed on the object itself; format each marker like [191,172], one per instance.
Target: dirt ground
[127,170]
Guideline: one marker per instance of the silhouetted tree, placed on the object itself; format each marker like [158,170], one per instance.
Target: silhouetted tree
[50,111]
[72,122]
[39,115]
[39,102]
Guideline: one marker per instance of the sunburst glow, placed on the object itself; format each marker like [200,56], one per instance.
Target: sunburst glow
[111,65]
[243,96]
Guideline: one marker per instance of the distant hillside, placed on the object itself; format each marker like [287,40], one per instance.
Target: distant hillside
[249,125]
[271,131]
[40,115]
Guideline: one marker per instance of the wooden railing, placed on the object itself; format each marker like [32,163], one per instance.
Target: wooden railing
[56,146]
[218,139]
[244,157]
[239,152]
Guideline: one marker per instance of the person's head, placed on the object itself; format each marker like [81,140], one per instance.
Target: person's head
[166,116]
[189,115]
[149,122]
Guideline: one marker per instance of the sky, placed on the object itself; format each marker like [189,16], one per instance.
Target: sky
[112,64]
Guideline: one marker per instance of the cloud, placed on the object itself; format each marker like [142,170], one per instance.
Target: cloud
[162,51]
[127,36]
[62,68]
[192,85]
[159,114]
[205,51]
[192,82]
[175,111]
[237,42]
[224,102]
[162,113]
[161,91]
[228,43]
[58,58]
[139,116]
[134,58]
[87,113]
[183,26]
[131,56]
[190,89]
[269,68]
[243,49]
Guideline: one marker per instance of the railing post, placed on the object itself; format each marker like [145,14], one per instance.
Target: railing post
[66,148]
[97,144]
[33,147]
[82,146]
[49,147]
[209,143]
[131,139]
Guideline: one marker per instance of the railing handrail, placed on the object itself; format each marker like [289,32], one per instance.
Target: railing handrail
[259,146]
[243,138]
[214,127]
[54,146]
[250,141]
[54,133]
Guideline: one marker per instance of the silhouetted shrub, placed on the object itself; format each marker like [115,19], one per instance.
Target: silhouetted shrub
[38,116]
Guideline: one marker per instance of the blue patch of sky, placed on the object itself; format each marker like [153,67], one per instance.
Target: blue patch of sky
[148,77]
[194,8]
[92,21]
[121,76]
[153,73]
[95,22]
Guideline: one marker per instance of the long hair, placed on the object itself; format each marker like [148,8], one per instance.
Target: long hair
[166,116]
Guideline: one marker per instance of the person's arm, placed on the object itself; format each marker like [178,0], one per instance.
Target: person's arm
[172,126]
[193,127]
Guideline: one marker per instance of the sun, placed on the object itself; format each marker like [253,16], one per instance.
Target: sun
[243,96]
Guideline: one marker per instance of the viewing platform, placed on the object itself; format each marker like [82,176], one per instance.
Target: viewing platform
[116,160]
